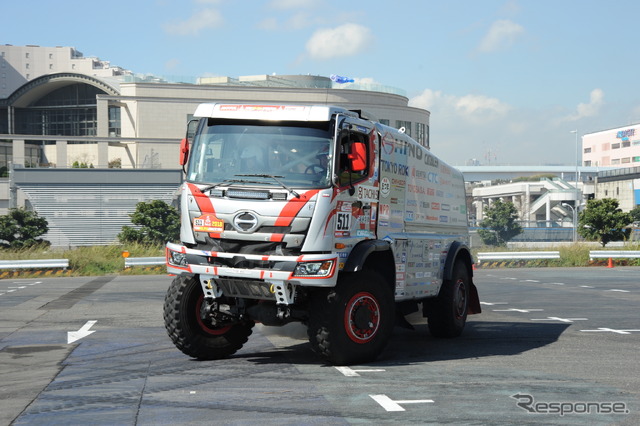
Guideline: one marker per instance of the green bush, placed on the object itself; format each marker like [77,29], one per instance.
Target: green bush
[158,223]
[21,229]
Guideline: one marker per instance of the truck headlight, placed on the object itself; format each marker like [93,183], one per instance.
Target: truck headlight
[177,258]
[323,268]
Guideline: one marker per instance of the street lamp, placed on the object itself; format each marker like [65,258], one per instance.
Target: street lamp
[575,220]
[578,200]
[577,159]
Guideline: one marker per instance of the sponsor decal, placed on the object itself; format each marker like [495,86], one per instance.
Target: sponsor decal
[367,193]
[395,168]
[387,144]
[208,223]
[385,186]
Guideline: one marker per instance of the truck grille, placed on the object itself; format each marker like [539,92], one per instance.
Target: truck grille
[250,289]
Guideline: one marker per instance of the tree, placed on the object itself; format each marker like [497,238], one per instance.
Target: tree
[21,229]
[635,214]
[499,225]
[603,220]
[158,223]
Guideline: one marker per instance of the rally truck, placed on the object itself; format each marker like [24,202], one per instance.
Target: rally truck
[319,215]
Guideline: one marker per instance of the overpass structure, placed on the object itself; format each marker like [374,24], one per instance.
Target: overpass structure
[507,173]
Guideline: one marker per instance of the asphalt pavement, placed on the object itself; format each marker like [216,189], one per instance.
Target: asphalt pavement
[552,346]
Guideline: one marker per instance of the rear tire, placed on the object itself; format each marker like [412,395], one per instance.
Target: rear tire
[448,315]
[199,338]
[352,322]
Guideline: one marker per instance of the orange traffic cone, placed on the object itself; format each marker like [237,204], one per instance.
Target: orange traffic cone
[610,265]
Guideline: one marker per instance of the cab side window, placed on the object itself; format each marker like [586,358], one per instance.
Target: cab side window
[346,174]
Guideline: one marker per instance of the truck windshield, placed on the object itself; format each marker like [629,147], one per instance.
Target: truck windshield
[298,156]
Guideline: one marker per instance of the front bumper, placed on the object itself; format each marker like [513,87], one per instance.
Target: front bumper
[273,269]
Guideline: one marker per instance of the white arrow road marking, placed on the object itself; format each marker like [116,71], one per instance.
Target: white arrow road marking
[84,331]
[391,405]
[354,373]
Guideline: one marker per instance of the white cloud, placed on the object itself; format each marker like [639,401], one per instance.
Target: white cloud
[200,20]
[502,34]
[296,22]
[291,4]
[172,64]
[591,109]
[269,24]
[474,108]
[345,40]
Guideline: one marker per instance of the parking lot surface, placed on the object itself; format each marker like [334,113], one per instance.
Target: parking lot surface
[552,346]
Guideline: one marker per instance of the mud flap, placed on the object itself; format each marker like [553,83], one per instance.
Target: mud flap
[474,300]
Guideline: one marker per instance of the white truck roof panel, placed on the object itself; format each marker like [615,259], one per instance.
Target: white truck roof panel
[268,112]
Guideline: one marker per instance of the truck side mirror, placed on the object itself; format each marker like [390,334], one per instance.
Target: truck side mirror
[184,151]
[358,156]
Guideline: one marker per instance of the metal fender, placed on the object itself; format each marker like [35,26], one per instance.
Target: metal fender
[361,252]
[458,250]
[374,255]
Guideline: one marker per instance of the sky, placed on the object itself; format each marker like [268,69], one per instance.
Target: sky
[506,81]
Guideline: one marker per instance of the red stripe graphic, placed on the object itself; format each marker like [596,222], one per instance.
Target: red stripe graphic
[293,207]
[204,204]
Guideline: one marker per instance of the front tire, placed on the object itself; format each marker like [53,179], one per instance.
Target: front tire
[194,336]
[352,322]
[448,315]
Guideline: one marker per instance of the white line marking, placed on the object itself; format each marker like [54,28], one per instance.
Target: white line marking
[587,286]
[559,319]
[391,405]
[612,330]
[354,373]
[493,303]
[619,291]
[517,310]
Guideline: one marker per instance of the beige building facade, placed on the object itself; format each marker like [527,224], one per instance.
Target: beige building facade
[59,109]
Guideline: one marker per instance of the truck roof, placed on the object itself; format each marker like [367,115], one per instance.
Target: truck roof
[269,112]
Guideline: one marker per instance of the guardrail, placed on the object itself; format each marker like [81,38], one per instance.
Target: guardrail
[614,254]
[518,255]
[144,261]
[34,264]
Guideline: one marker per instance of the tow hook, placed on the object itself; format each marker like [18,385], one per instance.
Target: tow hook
[283,312]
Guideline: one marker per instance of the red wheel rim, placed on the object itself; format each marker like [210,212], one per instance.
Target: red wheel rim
[217,331]
[362,318]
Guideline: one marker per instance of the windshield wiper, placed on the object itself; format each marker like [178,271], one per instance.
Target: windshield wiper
[227,182]
[277,179]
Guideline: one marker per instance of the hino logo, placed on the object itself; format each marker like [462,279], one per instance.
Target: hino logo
[245,222]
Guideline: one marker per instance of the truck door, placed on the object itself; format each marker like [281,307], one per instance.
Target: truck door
[355,172]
